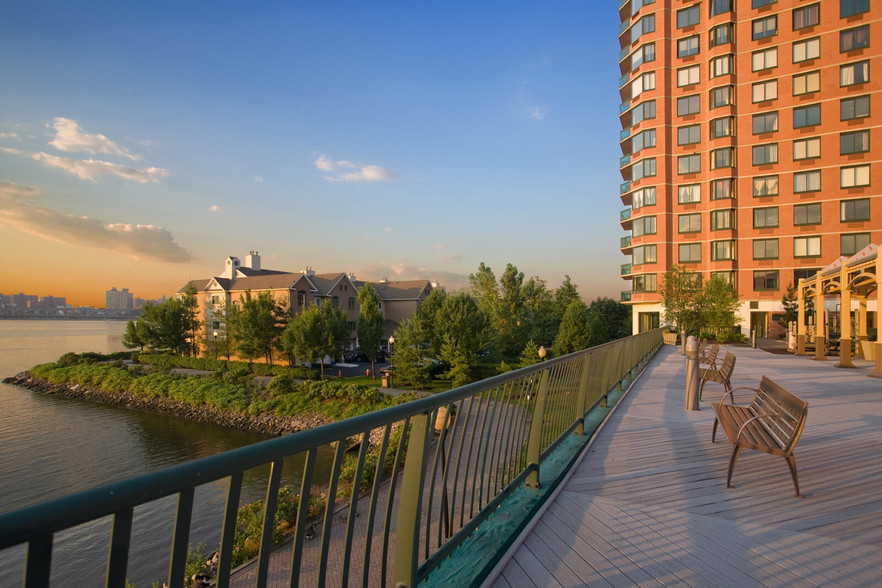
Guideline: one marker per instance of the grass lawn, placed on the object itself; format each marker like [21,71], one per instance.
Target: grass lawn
[434,386]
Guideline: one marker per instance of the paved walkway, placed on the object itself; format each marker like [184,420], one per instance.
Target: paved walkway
[648,504]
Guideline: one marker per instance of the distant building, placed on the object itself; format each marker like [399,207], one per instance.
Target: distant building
[297,291]
[119,299]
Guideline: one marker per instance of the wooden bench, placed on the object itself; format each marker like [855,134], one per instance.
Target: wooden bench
[709,357]
[772,424]
[720,375]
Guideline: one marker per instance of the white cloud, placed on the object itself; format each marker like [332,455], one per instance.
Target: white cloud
[137,240]
[69,136]
[405,271]
[214,208]
[9,136]
[258,179]
[339,171]
[90,169]
[12,150]
[388,230]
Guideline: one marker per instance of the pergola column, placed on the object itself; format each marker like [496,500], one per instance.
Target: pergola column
[862,325]
[877,373]
[820,339]
[800,321]
[844,321]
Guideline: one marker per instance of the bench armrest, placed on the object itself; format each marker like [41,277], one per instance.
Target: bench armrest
[762,416]
[731,395]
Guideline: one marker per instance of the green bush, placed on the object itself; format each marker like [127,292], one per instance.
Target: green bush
[731,337]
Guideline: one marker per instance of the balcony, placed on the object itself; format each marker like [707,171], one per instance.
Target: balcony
[626,296]
[625,242]
[624,106]
[626,269]
[624,79]
[624,134]
[625,215]
[624,26]
[624,160]
[624,52]
[625,187]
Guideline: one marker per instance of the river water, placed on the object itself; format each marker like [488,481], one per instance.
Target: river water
[51,447]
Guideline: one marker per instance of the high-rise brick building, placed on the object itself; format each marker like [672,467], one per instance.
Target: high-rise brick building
[751,143]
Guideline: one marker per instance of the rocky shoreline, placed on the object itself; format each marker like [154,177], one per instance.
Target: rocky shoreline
[267,424]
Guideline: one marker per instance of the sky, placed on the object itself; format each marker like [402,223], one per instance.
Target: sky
[141,143]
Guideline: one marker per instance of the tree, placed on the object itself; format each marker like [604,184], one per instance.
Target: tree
[256,325]
[574,333]
[407,357]
[170,327]
[608,320]
[130,339]
[530,354]
[716,305]
[316,332]
[370,323]
[791,307]
[678,290]
[462,329]
[564,295]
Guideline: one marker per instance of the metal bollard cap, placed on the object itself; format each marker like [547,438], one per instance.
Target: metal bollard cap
[692,347]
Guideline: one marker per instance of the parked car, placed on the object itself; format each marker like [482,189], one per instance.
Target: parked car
[355,356]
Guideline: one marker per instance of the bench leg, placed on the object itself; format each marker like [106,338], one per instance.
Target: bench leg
[732,460]
[791,462]
[714,434]
[701,388]
[727,385]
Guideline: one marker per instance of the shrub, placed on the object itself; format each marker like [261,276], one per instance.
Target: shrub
[731,337]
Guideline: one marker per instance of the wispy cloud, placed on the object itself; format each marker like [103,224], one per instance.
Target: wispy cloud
[141,241]
[258,179]
[347,171]
[70,136]
[214,208]
[9,136]
[90,169]
[403,270]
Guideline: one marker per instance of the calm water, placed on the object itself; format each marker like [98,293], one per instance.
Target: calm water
[51,447]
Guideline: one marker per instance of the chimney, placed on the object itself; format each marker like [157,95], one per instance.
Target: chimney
[252,260]
[308,272]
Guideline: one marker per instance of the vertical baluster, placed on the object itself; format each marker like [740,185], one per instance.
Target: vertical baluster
[339,455]
[456,477]
[302,516]
[479,450]
[353,507]
[387,523]
[39,563]
[269,518]
[229,531]
[180,538]
[372,510]
[534,444]
[120,538]
[407,536]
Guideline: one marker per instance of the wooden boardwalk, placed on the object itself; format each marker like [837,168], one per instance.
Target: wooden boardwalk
[648,504]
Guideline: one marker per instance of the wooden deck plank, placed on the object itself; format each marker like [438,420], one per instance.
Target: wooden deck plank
[648,504]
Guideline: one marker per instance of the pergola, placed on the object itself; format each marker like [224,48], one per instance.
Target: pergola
[858,276]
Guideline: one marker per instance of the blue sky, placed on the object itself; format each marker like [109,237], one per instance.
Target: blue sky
[142,143]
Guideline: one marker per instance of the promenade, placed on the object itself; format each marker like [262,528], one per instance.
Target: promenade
[647,503]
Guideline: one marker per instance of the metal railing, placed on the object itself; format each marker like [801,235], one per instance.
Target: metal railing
[426,474]
[625,242]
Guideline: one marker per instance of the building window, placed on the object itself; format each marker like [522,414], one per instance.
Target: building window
[809,181]
[765,186]
[643,111]
[645,283]
[854,73]
[643,254]
[855,210]
[642,26]
[687,76]
[854,176]
[727,276]
[722,96]
[643,226]
[720,35]
[644,54]
[852,108]
[804,274]
[765,154]
[767,122]
[688,105]
[643,197]
[688,16]
[763,91]
[851,7]
[761,3]
[642,141]
[722,219]
[806,50]
[765,249]
[722,250]
[722,66]
[853,39]
[807,16]
[856,142]
[852,243]
[722,189]
[645,168]
[689,223]
[335,302]
[806,148]
[765,27]
[688,164]
[643,83]
[806,116]
[689,194]
[722,127]
[720,7]
[722,157]
[807,214]
[806,83]
[765,280]
[351,303]
[766,59]
[689,253]
[301,297]
[765,218]
[689,135]
[687,46]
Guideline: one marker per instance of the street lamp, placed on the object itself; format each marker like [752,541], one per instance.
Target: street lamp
[542,353]
[391,342]
[215,345]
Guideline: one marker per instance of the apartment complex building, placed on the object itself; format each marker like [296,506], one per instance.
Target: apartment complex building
[751,143]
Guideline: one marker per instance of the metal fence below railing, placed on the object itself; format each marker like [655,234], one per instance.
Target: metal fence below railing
[426,474]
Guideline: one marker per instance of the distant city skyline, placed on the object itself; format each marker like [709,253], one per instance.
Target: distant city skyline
[142,144]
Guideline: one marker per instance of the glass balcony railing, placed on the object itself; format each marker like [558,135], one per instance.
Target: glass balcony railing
[624,26]
[626,296]
[626,269]
[624,106]
[624,79]
[624,53]
[622,3]
[625,242]
[624,160]
[625,134]
[626,186]
[625,214]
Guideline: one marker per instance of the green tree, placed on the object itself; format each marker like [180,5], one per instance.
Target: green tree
[131,339]
[678,290]
[170,327]
[462,329]
[538,320]
[256,325]
[791,307]
[608,320]
[407,357]
[530,354]
[574,333]
[564,295]
[316,332]
[716,305]
[370,323]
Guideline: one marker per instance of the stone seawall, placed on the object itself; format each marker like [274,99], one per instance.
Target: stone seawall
[268,424]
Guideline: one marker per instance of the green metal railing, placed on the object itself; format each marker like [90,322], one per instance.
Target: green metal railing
[430,471]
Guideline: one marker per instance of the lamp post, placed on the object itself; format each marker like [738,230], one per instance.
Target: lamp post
[214,334]
[542,353]
[391,342]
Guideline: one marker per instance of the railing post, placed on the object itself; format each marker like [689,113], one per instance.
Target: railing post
[582,395]
[407,537]
[534,443]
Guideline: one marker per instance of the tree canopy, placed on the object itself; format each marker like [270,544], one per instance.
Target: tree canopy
[370,322]
[316,332]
